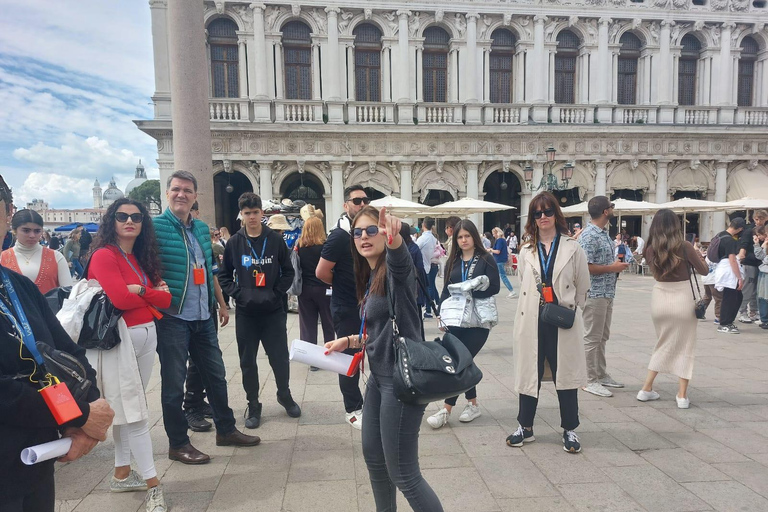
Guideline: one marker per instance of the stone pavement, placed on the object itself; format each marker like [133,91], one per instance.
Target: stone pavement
[635,456]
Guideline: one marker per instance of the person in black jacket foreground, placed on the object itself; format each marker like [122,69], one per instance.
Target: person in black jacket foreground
[25,419]
[261,260]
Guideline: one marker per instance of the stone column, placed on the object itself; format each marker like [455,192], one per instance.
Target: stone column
[189,90]
[540,70]
[473,190]
[257,55]
[406,181]
[404,69]
[332,78]
[241,69]
[419,74]
[352,93]
[666,114]
[337,188]
[662,172]
[265,179]
[471,80]
[719,219]
[162,98]
[603,61]
[386,92]
[453,73]
[279,70]
[316,71]
[601,178]
[727,109]
[487,75]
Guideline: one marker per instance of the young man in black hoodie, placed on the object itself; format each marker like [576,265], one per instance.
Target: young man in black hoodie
[261,261]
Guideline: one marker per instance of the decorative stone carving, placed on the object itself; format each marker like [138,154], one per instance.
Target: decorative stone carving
[368,14]
[271,18]
[549,30]
[695,164]
[482,32]
[219,6]
[344,19]
[675,31]
[227,165]
[349,169]
[460,24]
[462,170]
[591,28]
[654,30]
[615,30]
[277,169]
[391,17]
[739,5]
[321,19]
[719,5]
[413,24]
[246,15]
[296,10]
[573,20]
[714,33]
[507,19]
[439,14]
[752,165]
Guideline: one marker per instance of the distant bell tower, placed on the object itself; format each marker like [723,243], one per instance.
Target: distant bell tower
[98,201]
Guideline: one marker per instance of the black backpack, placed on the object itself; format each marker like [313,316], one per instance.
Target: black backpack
[713,251]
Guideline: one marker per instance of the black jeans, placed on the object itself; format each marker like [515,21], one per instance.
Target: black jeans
[178,340]
[313,302]
[268,329]
[729,308]
[40,496]
[194,396]
[473,338]
[432,286]
[347,322]
[568,398]
[391,448]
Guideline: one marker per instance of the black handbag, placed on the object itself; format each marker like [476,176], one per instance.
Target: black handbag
[428,371]
[552,313]
[67,369]
[100,324]
[700,306]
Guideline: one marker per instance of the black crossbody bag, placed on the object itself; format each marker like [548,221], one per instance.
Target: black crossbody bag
[552,313]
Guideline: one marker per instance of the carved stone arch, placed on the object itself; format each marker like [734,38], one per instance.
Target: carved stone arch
[582,179]
[622,176]
[428,178]
[382,179]
[237,166]
[304,17]
[376,19]
[579,29]
[683,177]
[229,14]
[428,20]
[760,37]
[514,28]
[698,34]
[515,169]
[292,168]
[642,32]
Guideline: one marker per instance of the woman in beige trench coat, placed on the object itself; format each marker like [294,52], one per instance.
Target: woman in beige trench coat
[542,350]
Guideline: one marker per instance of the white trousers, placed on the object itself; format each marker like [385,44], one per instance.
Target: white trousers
[133,438]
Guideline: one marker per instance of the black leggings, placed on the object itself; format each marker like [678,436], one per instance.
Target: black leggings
[473,338]
[568,398]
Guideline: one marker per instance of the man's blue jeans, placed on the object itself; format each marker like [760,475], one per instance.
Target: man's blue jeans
[503,275]
[177,340]
[432,286]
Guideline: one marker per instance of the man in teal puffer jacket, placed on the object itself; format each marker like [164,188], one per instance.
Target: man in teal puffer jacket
[188,327]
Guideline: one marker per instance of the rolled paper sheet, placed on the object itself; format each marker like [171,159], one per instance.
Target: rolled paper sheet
[46,451]
[314,355]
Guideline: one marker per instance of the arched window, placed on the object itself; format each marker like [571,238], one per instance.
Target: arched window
[565,67]
[627,69]
[435,65]
[686,70]
[297,56]
[500,64]
[749,49]
[367,62]
[222,38]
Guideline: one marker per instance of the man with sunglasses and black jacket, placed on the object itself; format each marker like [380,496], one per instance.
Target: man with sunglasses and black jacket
[336,268]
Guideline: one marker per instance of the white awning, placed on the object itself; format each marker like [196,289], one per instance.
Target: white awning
[746,183]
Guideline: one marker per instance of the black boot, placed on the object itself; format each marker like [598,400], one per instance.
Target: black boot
[291,407]
[253,416]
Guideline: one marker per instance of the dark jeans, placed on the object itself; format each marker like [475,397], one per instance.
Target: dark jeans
[568,398]
[40,495]
[177,340]
[194,395]
[347,322]
[77,268]
[762,306]
[710,294]
[313,302]
[391,448]
[473,338]
[730,305]
[432,286]
[269,330]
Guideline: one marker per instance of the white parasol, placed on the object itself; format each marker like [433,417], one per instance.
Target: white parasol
[466,206]
[398,206]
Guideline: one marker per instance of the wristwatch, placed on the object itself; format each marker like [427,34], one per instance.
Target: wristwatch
[142,291]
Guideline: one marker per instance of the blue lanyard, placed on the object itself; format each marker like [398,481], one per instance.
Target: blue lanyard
[142,276]
[263,251]
[545,266]
[465,269]
[20,318]
[363,330]
[191,251]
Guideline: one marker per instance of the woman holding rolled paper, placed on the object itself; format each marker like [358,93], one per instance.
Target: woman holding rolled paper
[26,419]
[548,330]
[390,427]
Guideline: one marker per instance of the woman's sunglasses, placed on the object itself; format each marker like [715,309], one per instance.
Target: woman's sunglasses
[137,218]
[548,212]
[371,231]
[357,201]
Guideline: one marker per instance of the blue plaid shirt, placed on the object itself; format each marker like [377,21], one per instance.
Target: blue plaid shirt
[599,247]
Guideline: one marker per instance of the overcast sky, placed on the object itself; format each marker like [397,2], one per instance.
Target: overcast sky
[74,74]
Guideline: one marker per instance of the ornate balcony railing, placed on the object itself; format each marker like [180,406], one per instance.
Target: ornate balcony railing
[299,111]
[696,115]
[225,109]
[572,114]
[371,112]
[440,113]
[634,115]
[506,114]
[756,116]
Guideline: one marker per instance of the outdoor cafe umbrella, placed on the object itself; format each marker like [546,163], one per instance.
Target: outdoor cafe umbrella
[398,206]
[687,204]
[91,227]
[747,203]
[466,206]
[621,207]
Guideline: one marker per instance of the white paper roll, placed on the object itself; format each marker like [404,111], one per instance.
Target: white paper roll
[46,451]
[314,355]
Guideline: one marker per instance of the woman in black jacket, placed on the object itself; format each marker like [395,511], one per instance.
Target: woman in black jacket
[25,419]
[468,259]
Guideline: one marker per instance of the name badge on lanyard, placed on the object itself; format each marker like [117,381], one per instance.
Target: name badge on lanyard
[198,271]
[546,291]
[259,277]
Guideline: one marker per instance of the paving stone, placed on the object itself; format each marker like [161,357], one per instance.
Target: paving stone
[514,477]
[728,496]
[114,502]
[682,466]
[636,437]
[599,498]
[193,478]
[323,437]
[269,456]
[654,490]
[321,465]
[606,451]
[742,440]
[245,493]
[752,474]
[458,487]
[655,420]
[339,496]
[548,504]
[704,447]
[483,441]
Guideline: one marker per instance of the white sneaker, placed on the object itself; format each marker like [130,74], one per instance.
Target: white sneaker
[597,389]
[608,382]
[355,419]
[133,482]
[645,396]
[469,413]
[439,419]
[745,319]
[512,295]
[156,500]
[682,403]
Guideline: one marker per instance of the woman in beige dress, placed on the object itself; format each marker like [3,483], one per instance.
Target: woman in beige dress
[672,260]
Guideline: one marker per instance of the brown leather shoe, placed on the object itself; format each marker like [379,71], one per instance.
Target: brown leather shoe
[188,454]
[237,438]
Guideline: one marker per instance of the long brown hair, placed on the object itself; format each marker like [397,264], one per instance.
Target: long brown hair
[312,233]
[665,237]
[468,226]
[362,267]
[541,202]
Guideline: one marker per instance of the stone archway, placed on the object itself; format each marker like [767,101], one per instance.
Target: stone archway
[305,187]
[505,188]
[226,202]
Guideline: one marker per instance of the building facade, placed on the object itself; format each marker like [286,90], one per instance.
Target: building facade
[648,99]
